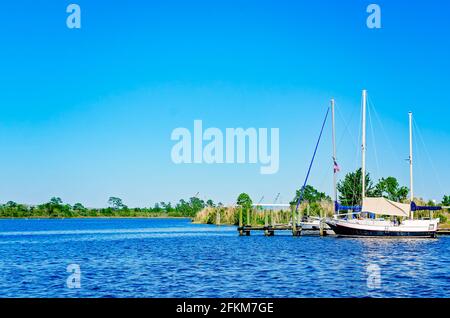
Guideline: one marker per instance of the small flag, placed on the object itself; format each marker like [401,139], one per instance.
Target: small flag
[336,166]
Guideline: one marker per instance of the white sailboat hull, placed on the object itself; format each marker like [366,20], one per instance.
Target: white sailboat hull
[377,228]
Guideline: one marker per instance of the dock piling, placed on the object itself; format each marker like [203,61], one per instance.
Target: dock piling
[266,223]
[294,225]
[218,217]
[321,229]
[296,231]
[241,222]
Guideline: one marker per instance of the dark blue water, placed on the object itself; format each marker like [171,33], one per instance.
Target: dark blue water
[174,258]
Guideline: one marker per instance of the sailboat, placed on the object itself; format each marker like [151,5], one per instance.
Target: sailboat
[374,217]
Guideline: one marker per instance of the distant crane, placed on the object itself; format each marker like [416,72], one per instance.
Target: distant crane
[271,205]
[260,200]
[276,198]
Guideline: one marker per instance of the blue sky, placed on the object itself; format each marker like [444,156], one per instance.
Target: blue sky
[87,114]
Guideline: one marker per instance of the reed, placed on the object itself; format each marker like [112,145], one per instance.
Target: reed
[230,215]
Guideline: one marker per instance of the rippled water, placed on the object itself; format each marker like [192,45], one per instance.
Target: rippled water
[174,258]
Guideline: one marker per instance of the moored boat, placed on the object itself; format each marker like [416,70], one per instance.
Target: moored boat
[385,228]
[378,216]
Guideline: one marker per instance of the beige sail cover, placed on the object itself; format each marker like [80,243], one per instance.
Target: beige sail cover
[384,206]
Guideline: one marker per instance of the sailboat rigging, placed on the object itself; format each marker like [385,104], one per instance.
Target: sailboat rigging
[370,219]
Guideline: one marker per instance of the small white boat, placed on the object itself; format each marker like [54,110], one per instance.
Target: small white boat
[312,224]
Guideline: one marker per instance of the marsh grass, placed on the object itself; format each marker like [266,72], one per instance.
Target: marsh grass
[257,216]
[230,215]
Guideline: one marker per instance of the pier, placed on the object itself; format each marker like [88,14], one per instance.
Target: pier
[443,231]
[269,228]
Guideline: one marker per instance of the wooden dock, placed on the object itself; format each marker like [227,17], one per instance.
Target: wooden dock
[443,231]
[269,228]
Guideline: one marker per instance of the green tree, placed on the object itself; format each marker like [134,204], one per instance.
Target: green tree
[53,208]
[196,205]
[389,188]
[446,200]
[182,208]
[56,201]
[78,207]
[350,189]
[116,203]
[244,201]
[167,207]
[11,204]
[157,208]
[311,195]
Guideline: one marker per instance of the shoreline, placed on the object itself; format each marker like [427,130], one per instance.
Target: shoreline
[94,217]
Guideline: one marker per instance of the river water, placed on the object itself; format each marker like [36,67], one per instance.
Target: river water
[175,258]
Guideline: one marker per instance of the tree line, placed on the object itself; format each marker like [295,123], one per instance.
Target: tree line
[349,189]
[56,208]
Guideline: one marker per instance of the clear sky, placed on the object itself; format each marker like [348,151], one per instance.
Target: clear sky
[87,114]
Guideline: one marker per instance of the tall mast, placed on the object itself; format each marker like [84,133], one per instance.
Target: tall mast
[411,179]
[334,150]
[363,147]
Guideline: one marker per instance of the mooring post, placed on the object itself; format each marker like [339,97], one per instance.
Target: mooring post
[266,223]
[218,217]
[294,225]
[321,232]
[241,222]
[248,217]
